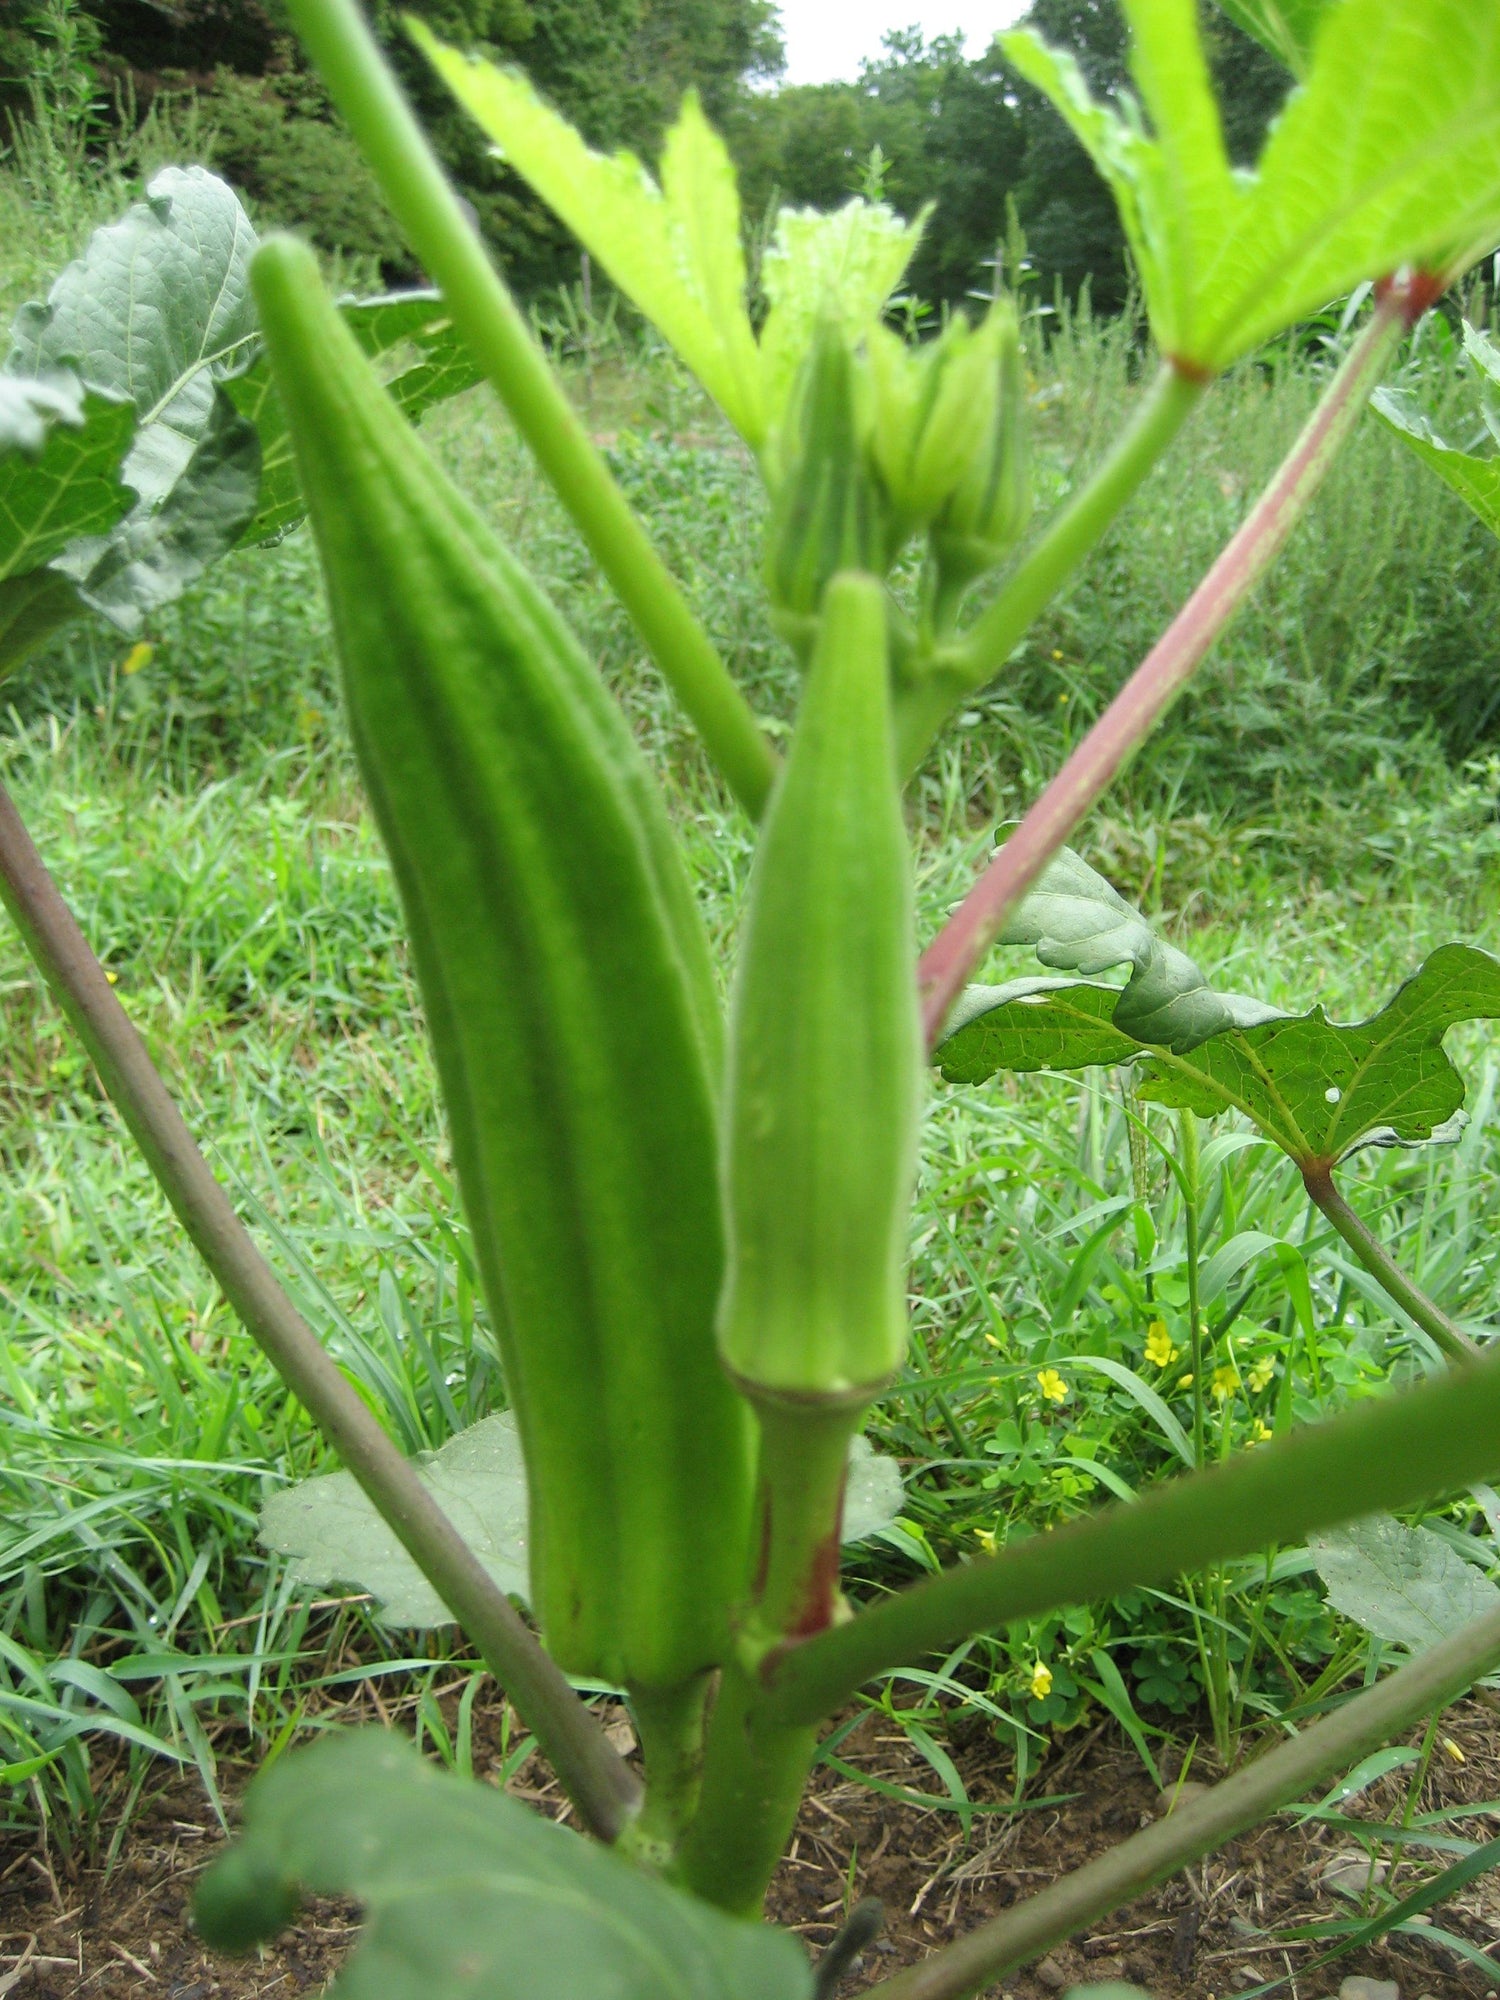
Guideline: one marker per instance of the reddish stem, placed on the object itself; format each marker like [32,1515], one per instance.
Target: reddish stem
[951,957]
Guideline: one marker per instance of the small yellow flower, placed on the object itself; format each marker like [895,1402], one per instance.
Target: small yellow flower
[1056,654]
[1225,1382]
[1261,1374]
[986,1539]
[1052,1385]
[1041,1680]
[139,656]
[1161,1351]
[1185,1381]
[1062,701]
[113,978]
[1260,1433]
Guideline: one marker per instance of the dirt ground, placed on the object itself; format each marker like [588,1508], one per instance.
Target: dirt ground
[107,1932]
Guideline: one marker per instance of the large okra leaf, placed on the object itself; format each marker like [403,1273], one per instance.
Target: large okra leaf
[334,1535]
[1473,474]
[139,438]
[1389,155]
[1317,1088]
[466,1892]
[153,317]
[1406,1585]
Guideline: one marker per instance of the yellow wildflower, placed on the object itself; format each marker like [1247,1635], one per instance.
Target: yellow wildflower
[986,1539]
[1041,1680]
[1052,1385]
[139,656]
[1260,1433]
[1226,1381]
[1161,1350]
[1261,1374]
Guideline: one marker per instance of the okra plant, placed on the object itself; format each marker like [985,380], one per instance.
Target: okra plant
[691,1225]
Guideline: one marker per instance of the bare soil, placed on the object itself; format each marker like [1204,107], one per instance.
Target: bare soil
[107,1930]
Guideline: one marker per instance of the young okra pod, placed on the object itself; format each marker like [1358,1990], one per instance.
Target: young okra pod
[569,995]
[825,1068]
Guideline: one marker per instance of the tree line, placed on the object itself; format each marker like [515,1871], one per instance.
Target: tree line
[926,124]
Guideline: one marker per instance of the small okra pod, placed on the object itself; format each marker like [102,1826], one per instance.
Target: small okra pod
[827,510]
[987,512]
[826,1068]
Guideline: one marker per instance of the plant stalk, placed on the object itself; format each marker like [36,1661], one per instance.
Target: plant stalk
[1286,1773]
[1386,1454]
[600,1784]
[1445,1334]
[1132,715]
[925,704]
[1188,1126]
[359,80]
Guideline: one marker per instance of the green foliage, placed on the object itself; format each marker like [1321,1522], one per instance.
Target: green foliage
[463,1884]
[1409,1586]
[1316,1089]
[271,138]
[1373,165]
[588,1170]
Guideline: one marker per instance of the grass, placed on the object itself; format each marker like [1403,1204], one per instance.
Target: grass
[1319,814]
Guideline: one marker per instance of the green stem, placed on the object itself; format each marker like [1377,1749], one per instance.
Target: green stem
[754,1771]
[601,1785]
[669,1723]
[1188,1125]
[1135,711]
[1288,1772]
[755,1765]
[1382,1454]
[424,204]
[926,703]
[804,1461]
[1446,1335]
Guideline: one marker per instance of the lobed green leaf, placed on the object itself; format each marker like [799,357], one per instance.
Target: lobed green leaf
[674,249]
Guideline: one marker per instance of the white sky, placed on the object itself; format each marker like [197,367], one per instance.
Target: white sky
[828,38]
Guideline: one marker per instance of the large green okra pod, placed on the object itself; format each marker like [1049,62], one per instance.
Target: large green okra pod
[569,994]
[826,1053]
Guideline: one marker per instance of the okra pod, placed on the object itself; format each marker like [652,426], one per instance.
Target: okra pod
[569,995]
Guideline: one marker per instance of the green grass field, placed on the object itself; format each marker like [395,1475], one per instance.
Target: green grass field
[1319,814]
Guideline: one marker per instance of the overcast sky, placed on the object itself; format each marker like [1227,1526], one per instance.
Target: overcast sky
[829,38]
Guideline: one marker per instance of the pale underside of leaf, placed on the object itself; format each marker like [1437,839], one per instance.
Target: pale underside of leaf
[333,1534]
[467,1892]
[156,311]
[1406,1585]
